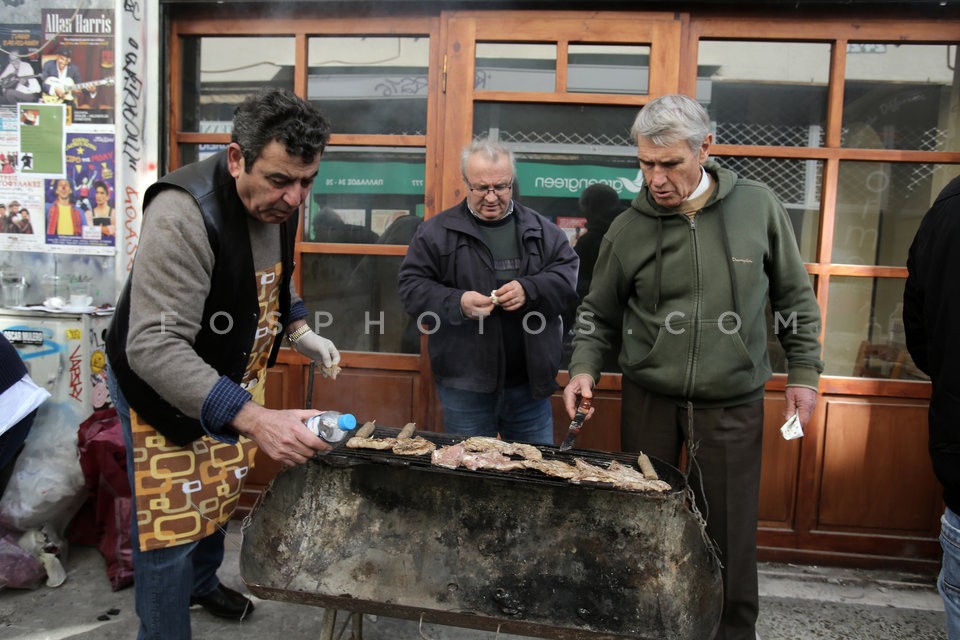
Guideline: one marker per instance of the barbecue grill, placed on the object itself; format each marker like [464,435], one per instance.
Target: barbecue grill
[512,551]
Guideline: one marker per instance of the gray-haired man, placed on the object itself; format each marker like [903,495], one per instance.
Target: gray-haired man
[683,280]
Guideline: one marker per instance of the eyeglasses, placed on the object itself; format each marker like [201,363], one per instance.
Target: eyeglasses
[498,189]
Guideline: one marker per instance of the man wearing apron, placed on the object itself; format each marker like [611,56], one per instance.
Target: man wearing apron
[199,320]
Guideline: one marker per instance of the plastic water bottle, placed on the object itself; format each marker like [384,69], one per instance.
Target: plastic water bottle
[332,426]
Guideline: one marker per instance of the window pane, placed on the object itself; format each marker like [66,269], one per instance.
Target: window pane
[370,85]
[797,184]
[558,128]
[765,93]
[879,207]
[360,192]
[595,68]
[515,67]
[898,96]
[194,152]
[360,295]
[218,73]
[864,334]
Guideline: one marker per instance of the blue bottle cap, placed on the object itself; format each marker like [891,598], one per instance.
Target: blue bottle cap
[346,422]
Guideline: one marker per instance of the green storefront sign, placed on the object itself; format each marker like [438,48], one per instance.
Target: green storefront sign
[540,179]
[537,179]
[403,178]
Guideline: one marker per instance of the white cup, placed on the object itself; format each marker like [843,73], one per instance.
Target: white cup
[78,300]
[80,294]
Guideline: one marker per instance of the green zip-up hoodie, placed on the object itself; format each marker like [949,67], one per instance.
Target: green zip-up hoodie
[687,298]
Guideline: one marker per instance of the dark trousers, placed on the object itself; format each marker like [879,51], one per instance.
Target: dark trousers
[725,479]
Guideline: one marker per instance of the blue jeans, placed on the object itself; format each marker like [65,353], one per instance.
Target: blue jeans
[165,579]
[949,581]
[513,413]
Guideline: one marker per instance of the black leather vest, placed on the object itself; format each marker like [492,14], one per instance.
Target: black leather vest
[233,295]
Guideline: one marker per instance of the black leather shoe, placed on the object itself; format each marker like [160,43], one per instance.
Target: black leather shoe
[224,602]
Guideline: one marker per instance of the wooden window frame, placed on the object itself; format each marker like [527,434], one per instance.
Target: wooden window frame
[449,117]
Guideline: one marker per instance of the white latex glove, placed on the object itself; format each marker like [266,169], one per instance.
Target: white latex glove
[318,348]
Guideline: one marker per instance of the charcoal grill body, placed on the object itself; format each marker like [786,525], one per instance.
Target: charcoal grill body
[548,559]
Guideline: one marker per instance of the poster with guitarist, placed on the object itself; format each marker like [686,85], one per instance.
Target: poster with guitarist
[18,80]
[78,69]
[62,83]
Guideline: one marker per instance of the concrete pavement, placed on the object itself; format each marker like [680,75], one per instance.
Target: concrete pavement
[796,603]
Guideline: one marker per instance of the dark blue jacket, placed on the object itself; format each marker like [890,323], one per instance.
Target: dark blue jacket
[931,316]
[448,257]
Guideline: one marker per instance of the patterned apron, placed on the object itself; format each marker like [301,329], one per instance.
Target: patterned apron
[184,493]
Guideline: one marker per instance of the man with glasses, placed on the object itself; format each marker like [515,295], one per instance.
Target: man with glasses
[488,280]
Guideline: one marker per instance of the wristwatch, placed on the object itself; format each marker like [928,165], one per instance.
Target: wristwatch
[295,335]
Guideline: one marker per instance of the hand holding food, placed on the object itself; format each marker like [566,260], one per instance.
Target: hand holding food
[475,305]
[509,297]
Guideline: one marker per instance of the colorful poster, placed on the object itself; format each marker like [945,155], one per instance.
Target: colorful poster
[78,66]
[42,130]
[80,207]
[19,63]
[21,213]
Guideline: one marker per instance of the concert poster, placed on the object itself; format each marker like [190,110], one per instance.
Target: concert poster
[77,66]
[80,208]
[19,63]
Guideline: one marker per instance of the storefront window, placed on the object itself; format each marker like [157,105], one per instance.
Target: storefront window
[356,302]
[901,96]
[370,85]
[194,152]
[504,66]
[557,128]
[765,93]
[796,183]
[879,208]
[361,192]
[620,69]
[864,334]
[219,72]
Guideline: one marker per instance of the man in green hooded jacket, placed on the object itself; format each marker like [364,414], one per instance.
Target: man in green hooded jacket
[683,281]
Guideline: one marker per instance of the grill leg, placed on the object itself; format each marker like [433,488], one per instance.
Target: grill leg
[329,622]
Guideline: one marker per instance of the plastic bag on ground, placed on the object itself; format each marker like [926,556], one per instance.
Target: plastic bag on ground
[46,487]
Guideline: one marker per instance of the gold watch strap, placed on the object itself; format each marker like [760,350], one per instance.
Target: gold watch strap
[298,333]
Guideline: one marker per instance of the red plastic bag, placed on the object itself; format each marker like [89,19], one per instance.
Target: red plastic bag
[18,568]
[103,459]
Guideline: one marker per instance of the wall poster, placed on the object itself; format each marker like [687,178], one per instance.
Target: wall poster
[77,66]
[80,206]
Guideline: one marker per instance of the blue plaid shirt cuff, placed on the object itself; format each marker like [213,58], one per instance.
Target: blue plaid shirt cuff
[298,311]
[221,405]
